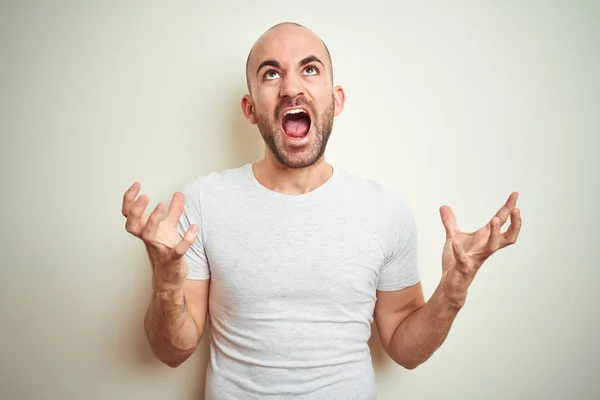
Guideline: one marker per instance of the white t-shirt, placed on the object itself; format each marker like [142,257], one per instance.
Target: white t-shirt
[294,280]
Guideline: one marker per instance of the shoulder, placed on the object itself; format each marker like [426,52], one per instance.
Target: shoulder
[215,181]
[374,193]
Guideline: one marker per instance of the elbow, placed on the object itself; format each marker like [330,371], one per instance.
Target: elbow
[404,361]
[410,365]
[413,363]
[171,358]
[174,361]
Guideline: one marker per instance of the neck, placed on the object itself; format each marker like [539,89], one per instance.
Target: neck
[294,181]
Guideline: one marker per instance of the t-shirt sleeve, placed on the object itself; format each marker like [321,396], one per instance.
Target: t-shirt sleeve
[400,269]
[195,256]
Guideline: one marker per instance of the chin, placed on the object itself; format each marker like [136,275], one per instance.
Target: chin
[298,163]
[301,158]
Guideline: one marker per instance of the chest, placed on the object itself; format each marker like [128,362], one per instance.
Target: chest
[291,259]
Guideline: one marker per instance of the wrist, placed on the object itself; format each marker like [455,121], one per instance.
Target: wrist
[451,301]
[168,280]
[167,291]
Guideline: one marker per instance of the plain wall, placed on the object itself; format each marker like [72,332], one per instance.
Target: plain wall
[454,103]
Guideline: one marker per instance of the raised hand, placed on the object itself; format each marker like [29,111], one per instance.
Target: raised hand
[164,244]
[464,253]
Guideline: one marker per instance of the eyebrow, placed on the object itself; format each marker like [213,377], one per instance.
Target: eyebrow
[309,60]
[276,64]
[265,63]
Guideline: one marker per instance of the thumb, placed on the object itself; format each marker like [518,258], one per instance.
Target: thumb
[449,221]
[186,242]
[462,260]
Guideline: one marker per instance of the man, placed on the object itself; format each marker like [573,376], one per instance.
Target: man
[300,256]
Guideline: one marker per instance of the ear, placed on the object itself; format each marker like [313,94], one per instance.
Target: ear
[248,109]
[339,98]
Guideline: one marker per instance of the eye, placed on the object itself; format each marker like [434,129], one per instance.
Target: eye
[311,70]
[271,74]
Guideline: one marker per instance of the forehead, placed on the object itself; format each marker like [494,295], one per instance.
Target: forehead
[286,44]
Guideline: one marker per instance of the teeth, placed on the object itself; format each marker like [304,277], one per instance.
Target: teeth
[295,111]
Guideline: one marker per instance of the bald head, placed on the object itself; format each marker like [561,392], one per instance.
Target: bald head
[289,69]
[281,36]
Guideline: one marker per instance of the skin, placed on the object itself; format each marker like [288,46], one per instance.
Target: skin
[175,319]
[298,71]
[410,329]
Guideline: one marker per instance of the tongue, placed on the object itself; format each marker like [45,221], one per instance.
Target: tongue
[296,128]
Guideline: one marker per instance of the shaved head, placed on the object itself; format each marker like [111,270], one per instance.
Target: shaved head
[328,62]
[291,97]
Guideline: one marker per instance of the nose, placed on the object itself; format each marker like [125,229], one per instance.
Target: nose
[291,86]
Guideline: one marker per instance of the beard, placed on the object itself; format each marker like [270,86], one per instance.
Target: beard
[273,134]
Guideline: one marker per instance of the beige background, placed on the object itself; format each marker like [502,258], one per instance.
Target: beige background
[455,103]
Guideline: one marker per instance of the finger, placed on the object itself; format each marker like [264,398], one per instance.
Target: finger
[507,208]
[129,198]
[189,237]
[449,221]
[512,233]
[135,222]
[493,243]
[462,260]
[175,209]
[151,227]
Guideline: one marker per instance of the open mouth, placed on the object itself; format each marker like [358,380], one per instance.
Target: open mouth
[296,123]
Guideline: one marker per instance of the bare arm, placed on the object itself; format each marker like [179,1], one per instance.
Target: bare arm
[410,329]
[175,321]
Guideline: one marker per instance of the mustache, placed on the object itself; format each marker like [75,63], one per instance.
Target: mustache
[295,102]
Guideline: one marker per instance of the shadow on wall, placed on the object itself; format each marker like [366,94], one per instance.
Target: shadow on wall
[242,140]
[243,144]
[379,357]
[132,352]
[202,354]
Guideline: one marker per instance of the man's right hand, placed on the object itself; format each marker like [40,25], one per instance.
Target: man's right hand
[164,244]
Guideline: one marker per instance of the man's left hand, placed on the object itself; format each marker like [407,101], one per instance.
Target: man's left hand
[464,253]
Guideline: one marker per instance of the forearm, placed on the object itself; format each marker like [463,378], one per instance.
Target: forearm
[424,331]
[170,328]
